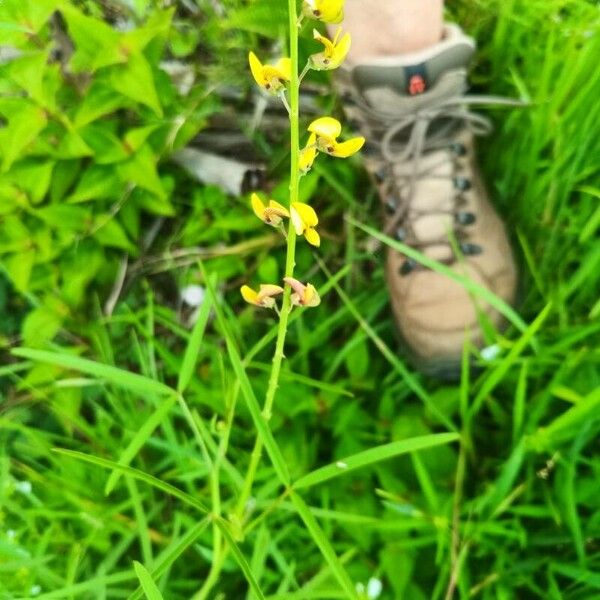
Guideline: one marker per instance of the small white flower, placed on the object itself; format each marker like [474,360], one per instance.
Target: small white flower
[490,352]
[374,588]
[193,295]
[35,590]
[340,464]
[23,486]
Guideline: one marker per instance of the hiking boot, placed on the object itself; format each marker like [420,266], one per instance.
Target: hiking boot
[414,113]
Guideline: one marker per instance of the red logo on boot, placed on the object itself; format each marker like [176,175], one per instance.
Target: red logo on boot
[416,85]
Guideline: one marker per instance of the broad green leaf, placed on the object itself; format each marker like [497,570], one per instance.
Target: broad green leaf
[96,43]
[136,474]
[99,101]
[118,377]
[24,17]
[109,232]
[97,182]
[40,326]
[33,177]
[372,456]
[141,170]
[19,267]
[157,25]
[28,72]
[136,81]
[106,146]
[150,588]
[140,438]
[24,125]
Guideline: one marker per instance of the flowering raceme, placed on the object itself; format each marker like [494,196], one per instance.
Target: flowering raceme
[271,78]
[271,214]
[334,51]
[328,11]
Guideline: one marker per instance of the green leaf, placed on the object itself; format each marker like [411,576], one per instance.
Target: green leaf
[99,101]
[136,81]
[320,539]
[193,347]
[24,126]
[97,182]
[140,438]
[27,16]
[19,267]
[40,326]
[96,43]
[141,170]
[240,558]
[136,474]
[106,146]
[33,177]
[372,456]
[150,588]
[268,19]
[118,377]
[28,72]
[109,232]
[173,552]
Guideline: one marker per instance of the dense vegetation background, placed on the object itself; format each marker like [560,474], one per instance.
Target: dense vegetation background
[101,230]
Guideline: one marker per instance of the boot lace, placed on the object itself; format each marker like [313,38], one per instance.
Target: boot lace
[408,139]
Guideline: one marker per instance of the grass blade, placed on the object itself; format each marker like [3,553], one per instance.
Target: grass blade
[241,559]
[372,456]
[476,289]
[136,474]
[139,439]
[118,377]
[150,588]
[172,553]
[191,352]
[326,548]
[260,422]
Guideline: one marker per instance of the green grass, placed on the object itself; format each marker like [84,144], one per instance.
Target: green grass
[125,449]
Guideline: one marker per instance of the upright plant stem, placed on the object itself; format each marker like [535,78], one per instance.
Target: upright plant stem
[290,262]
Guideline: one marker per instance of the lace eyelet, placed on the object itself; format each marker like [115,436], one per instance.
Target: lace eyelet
[458,148]
[380,175]
[391,205]
[465,218]
[408,266]
[400,234]
[462,183]
[469,249]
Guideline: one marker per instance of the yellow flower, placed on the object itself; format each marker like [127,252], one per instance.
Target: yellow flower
[271,78]
[271,214]
[334,53]
[308,154]
[304,219]
[328,11]
[304,295]
[264,296]
[327,130]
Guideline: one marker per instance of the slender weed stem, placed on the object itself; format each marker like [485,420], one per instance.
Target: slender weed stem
[290,261]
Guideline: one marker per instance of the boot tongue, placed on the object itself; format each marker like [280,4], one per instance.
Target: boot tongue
[412,81]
